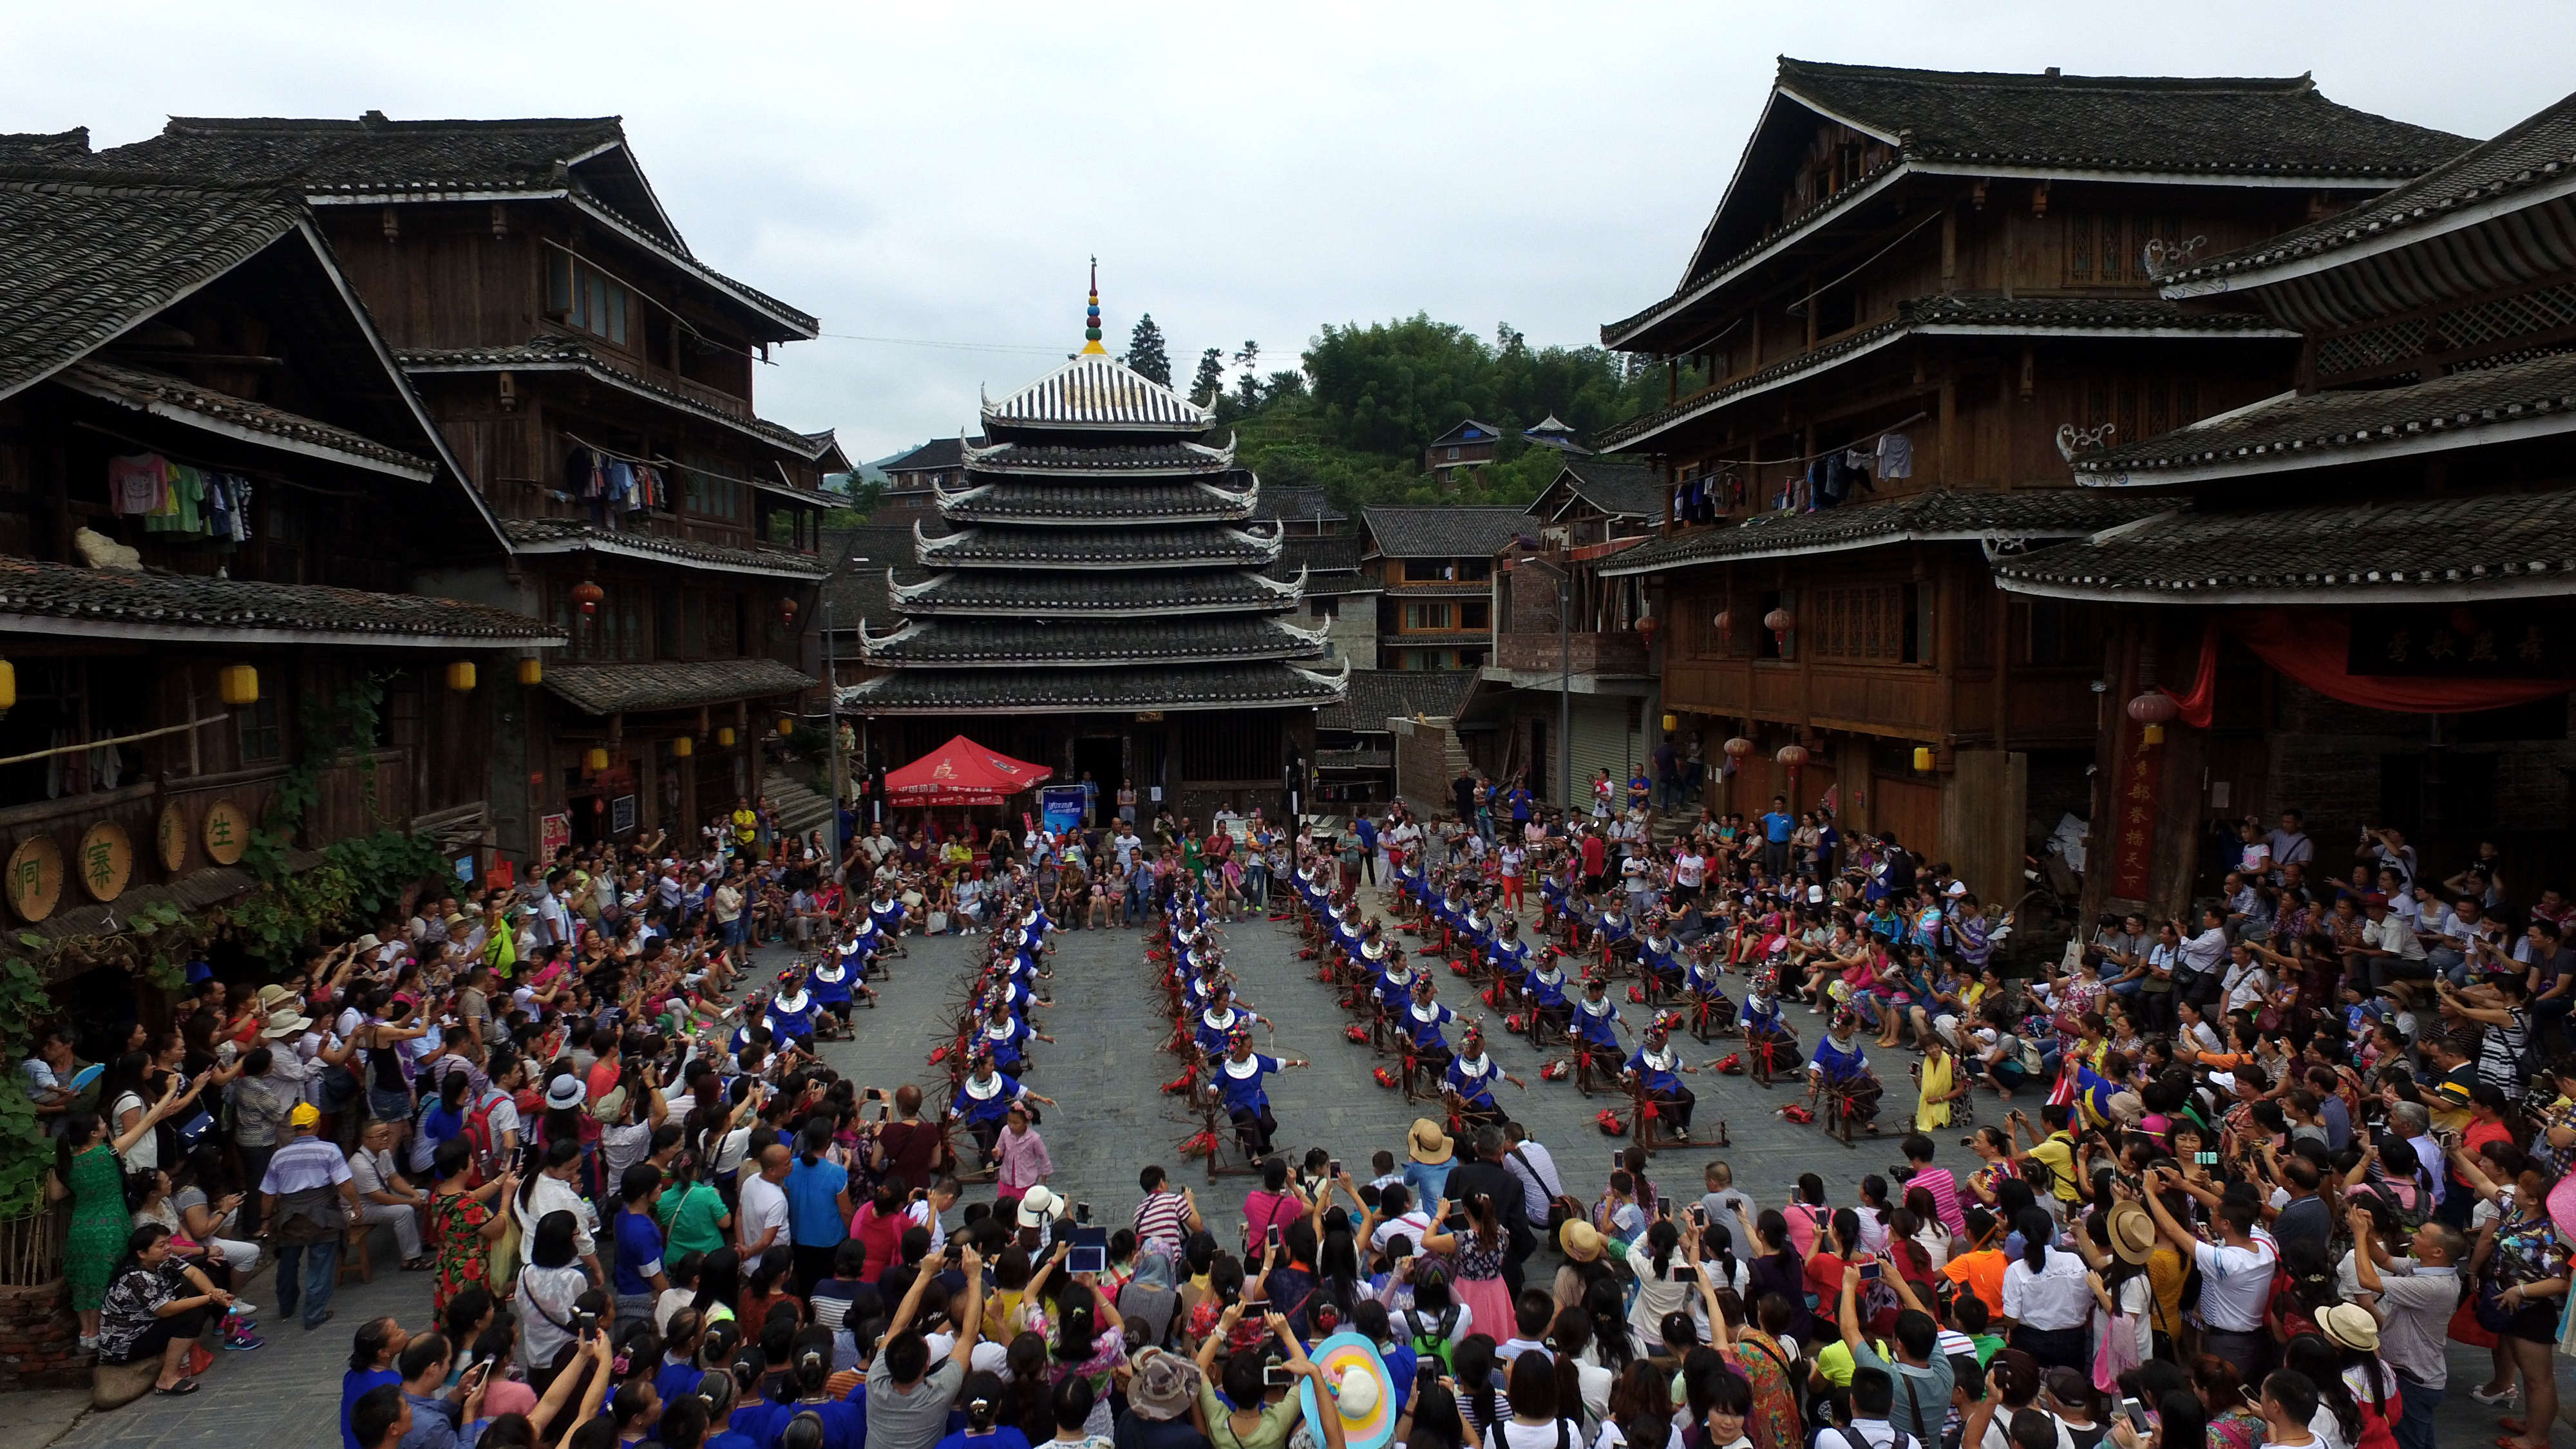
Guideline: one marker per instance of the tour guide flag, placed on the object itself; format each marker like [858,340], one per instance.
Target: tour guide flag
[1365,1396]
[1060,806]
[961,772]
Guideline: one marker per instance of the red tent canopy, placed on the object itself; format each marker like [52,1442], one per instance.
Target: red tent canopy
[962,772]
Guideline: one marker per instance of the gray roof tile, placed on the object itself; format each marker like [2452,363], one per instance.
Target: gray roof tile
[1033,593]
[1167,687]
[1462,531]
[1213,638]
[1226,498]
[624,688]
[1936,515]
[2535,153]
[1178,546]
[569,535]
[189,602]
[85,257]
[563,354]
[1377,695]
[2291,431]
[2452,547]
[142,388]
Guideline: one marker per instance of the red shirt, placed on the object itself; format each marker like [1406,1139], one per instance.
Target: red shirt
[1595,855]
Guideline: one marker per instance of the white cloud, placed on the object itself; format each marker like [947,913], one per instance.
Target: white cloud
[943,171]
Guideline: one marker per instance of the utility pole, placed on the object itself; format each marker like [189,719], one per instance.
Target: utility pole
[840,778]
[1565,690]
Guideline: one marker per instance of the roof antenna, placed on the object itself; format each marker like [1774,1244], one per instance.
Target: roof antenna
[1091,324]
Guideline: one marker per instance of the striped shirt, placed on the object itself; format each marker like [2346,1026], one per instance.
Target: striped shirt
[1164,1218]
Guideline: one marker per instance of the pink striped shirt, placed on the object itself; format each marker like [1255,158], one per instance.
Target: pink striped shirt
[1944,1188]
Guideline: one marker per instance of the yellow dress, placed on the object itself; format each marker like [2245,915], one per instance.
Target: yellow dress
[1929,1112]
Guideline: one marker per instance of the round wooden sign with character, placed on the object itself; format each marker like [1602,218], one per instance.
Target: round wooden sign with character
[35,878]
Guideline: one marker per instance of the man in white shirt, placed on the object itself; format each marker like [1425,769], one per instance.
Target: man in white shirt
[762,1221]
[2389,950]
[1401,1216]
[2413,1299]
[2290,844]
[2200,958]
[2235,1276]
[1530,1163]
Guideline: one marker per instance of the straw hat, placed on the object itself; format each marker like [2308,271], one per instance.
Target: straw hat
[285,1023]
[1037,1206]
[272,996]
[1580,1240]
[1427,1143]
[564,1093]
[2351,1326]
[2133,1233]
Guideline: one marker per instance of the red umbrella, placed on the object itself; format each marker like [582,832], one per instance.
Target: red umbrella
[962,772]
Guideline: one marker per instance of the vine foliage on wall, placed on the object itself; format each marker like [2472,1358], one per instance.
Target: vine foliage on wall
[355,880]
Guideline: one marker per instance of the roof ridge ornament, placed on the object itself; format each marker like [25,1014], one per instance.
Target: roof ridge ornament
[1091,322]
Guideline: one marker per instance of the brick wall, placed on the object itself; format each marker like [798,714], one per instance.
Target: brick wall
[40,1339]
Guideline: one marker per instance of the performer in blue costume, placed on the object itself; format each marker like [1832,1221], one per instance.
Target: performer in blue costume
[1239,1078]
[1840,1062]
[1658,1068]
[1472,1075]
[984,1100]
[791,1012]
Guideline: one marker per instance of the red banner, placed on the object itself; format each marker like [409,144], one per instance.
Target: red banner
[2133,814]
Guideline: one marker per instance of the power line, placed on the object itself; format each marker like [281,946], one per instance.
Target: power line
[952,346]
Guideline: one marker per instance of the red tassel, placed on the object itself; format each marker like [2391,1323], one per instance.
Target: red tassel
[1732,1064]
[1457,967]
[1515,1024]
[1796,1113]
[1637,995]
[1384,1077]
[1611,1124]
[1493,994]
[1355,1032]
[1556,1071]
[939,1054]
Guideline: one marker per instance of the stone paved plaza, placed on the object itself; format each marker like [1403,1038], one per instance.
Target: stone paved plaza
[1106,1070]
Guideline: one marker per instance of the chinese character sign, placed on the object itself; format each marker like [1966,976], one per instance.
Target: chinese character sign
[2133,815]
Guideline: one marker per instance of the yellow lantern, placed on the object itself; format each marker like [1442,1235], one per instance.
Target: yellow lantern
[786,726]
[597,759]
[2153,734]
[532,671]
[1923,757]
[683,747]
[460,676]
[8,686]
[1672,721]
[724,736]
[237,684]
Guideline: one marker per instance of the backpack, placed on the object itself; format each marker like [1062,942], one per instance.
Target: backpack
[1431,1340]
[478,1135]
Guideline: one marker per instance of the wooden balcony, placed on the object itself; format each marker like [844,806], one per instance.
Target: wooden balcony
[2040,708]
[1607,653]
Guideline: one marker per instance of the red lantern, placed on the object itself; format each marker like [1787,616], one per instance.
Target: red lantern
[1725,622]
[1646,628]
[2153,707]
[787,613]
[1739,747]
[1780,622]
[1792,755]
[588,595]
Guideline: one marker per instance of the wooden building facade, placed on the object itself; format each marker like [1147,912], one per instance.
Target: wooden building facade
[2357,597]
[1921,293]
[593,380]
[203,439]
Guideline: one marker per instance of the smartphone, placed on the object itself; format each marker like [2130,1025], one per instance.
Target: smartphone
[1333,1169]
[586,1323]
[1663,1206]
[2137,1415]
[1274,1237]
[1699,1214]
[476,1374]
[1082,1213]
[1277,1376]
[1869,1271]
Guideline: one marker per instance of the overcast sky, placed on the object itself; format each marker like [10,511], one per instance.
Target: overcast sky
[941,172]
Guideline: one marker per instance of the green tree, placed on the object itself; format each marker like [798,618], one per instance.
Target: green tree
[1146,352]
[1210,381]
[1247,386]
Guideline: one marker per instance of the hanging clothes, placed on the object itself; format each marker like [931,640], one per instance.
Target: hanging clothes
[1895,456]
[134,484]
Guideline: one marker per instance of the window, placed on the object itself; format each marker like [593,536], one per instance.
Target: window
[1870,624]
[711,497]
[1453,455]
[1428,571]
[717,620]
[261,740]
[583,297]
[2055,633]
[1419,618]
[1475,614]
[1475,570]
[1248,748]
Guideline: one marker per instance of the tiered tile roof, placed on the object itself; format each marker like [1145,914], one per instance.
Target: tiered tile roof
[571,535]
[1103,556]
[158,392]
